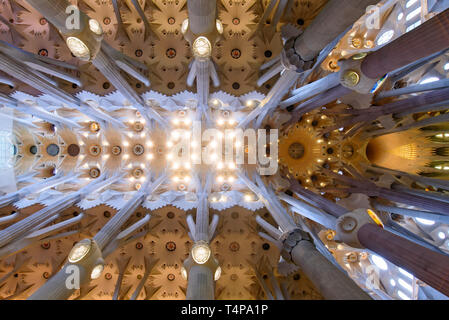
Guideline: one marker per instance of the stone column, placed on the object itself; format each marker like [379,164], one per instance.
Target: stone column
[360,230]
[334,19]
[54,11]
[425,264]
[73,275]
[331,282]
[65,20]
[430,37]
[200,283]
[202,15]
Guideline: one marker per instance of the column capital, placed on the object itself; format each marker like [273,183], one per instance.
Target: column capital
[291,239]
[348,225]
[352,76]
[291,59]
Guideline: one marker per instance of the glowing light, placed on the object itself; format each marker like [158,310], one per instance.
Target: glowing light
[219,26]
[79,251]
[413,14]
[446,66]
[202,47]
[385,37]
[248,197]
[429,80]
[213,156]
[95,27]
[375,217]
[217,274]
[441,235]
[392,282]
[425,221]
[410,3]
[201,252]
[403,296]
[185,26]
[405,273]
[379,262]
[96,272]
[184,273]
[78,48]
[405,285]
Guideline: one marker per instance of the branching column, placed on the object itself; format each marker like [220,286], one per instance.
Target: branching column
[202,15]
[332,283]
[358,230]
[334,19]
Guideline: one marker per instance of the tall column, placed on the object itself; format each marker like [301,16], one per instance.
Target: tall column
[85,263]
[83,32]
[334,19]
[202,15]
[200,283]
[331,282]
[430,37]
[54,11]
[425,264]
[358,230]
[91,264]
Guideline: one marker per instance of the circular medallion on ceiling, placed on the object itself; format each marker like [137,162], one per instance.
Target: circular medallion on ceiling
[73,150]
[94,173]
[94,127]
[52,150]
[138,126]
[137,173]
[296,150]
[116,150]
[33,149]
[95,150]
[170,246]
[138,149]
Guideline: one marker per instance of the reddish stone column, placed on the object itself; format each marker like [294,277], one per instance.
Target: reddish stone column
[430,37]
[427,265]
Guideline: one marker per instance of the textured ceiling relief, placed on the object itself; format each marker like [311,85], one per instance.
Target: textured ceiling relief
[115,137]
